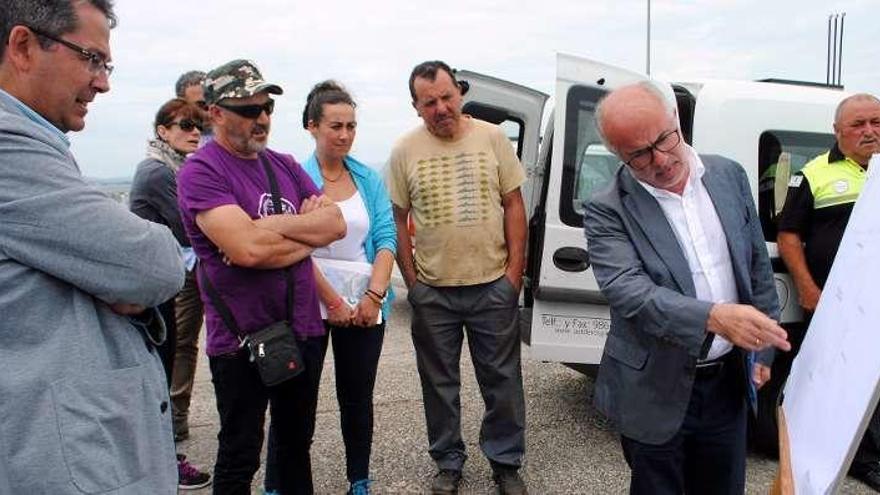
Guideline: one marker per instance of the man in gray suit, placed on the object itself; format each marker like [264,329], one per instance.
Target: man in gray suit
[676,246]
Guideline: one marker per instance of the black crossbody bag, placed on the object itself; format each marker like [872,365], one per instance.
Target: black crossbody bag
[273,349]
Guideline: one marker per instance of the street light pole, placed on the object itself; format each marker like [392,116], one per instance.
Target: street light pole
[648,55]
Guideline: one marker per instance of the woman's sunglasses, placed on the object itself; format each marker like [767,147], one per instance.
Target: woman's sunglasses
[187,125]
[250,111]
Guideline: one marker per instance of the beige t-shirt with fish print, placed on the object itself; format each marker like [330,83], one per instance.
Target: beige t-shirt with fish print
[453,190]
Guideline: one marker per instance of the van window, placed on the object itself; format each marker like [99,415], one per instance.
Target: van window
[797,148]
[514,131]
[513,127]
[586,165]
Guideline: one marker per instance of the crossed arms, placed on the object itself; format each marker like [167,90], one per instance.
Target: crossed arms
[275,241]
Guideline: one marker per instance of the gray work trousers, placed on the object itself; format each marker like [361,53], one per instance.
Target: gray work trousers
[489,314]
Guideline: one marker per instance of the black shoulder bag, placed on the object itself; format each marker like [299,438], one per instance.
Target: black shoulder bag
[273,349]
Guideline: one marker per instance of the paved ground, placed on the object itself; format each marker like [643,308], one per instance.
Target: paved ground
[571,450]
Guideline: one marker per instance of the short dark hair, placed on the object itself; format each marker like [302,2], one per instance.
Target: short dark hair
[174,108]
[187,79]
[428,70]
[327,92]
[54,17]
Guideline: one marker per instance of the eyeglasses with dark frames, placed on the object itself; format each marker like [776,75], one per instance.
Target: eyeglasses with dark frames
[250,111]
[187,125]
[642,158]
[97,62]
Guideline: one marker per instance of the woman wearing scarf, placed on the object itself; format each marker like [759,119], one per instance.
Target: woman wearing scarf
[153,196]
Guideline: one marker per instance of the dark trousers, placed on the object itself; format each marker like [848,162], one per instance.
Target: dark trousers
[488,314]
[241,404]
[189,315]
[356,353]
[868,454]
[708,454]
[167,349]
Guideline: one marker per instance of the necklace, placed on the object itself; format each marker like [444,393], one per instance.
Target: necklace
[328,179]
[335,179]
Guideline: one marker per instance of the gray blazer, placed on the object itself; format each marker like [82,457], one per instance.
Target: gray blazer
[83,398]
[658,327]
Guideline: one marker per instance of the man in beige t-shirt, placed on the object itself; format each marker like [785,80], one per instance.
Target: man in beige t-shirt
[460,179]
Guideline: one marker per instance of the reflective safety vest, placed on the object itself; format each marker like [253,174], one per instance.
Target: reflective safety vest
[834,183]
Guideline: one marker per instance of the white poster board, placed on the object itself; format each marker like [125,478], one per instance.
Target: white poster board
[833,386]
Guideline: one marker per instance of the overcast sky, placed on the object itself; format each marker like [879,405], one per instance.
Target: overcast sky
[371,47]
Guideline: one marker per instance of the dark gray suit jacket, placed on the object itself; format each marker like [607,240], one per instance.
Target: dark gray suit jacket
[658,327]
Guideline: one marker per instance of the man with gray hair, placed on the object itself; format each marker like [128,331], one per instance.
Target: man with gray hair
[817,208]
[677,249]
[84,398]
[189,87]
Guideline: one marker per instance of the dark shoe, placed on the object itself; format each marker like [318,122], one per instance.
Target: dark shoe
[508,482]
[188,477]
[446,482]
[869,476]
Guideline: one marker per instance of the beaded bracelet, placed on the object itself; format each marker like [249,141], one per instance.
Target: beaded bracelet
[372,296]
[378,296]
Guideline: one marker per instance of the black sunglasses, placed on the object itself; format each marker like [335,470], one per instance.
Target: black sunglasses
[97,62]
[250,111]
[187,125]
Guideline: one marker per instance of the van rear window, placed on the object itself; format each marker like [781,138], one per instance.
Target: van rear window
[587,166]
[775,147]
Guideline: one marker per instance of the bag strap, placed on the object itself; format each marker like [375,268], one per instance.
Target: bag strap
[220,306]
[279,209]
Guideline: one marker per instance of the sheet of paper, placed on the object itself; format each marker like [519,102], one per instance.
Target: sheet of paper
[350,279]
[833,386]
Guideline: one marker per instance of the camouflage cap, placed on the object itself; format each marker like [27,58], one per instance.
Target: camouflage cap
[236,79]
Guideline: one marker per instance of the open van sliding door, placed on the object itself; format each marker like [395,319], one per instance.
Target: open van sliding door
[570,318]
[518,110]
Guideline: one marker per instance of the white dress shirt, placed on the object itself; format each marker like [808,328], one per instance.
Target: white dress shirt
[698,230]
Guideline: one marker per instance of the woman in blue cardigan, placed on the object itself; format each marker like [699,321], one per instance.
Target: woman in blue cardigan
[355,322]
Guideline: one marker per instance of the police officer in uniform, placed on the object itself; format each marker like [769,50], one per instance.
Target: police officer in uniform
[817,208]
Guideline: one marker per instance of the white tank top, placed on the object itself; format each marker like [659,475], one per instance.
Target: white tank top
[357,224]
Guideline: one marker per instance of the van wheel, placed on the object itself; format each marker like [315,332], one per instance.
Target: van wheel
[763,430]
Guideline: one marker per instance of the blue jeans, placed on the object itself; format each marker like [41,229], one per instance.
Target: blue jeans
[241,404]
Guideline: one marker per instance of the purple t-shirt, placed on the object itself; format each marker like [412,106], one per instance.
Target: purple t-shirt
[214,177]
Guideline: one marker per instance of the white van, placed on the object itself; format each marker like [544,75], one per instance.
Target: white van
[565,318]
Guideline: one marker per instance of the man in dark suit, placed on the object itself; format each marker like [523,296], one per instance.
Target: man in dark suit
[676,246]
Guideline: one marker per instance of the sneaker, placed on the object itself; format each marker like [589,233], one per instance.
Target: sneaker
[359,487]
[446,482]
[190,478]
[508,482]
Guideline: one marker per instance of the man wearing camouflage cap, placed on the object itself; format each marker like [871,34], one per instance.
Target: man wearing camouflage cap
[226,202]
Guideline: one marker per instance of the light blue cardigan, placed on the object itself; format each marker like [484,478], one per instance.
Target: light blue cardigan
[383,232]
